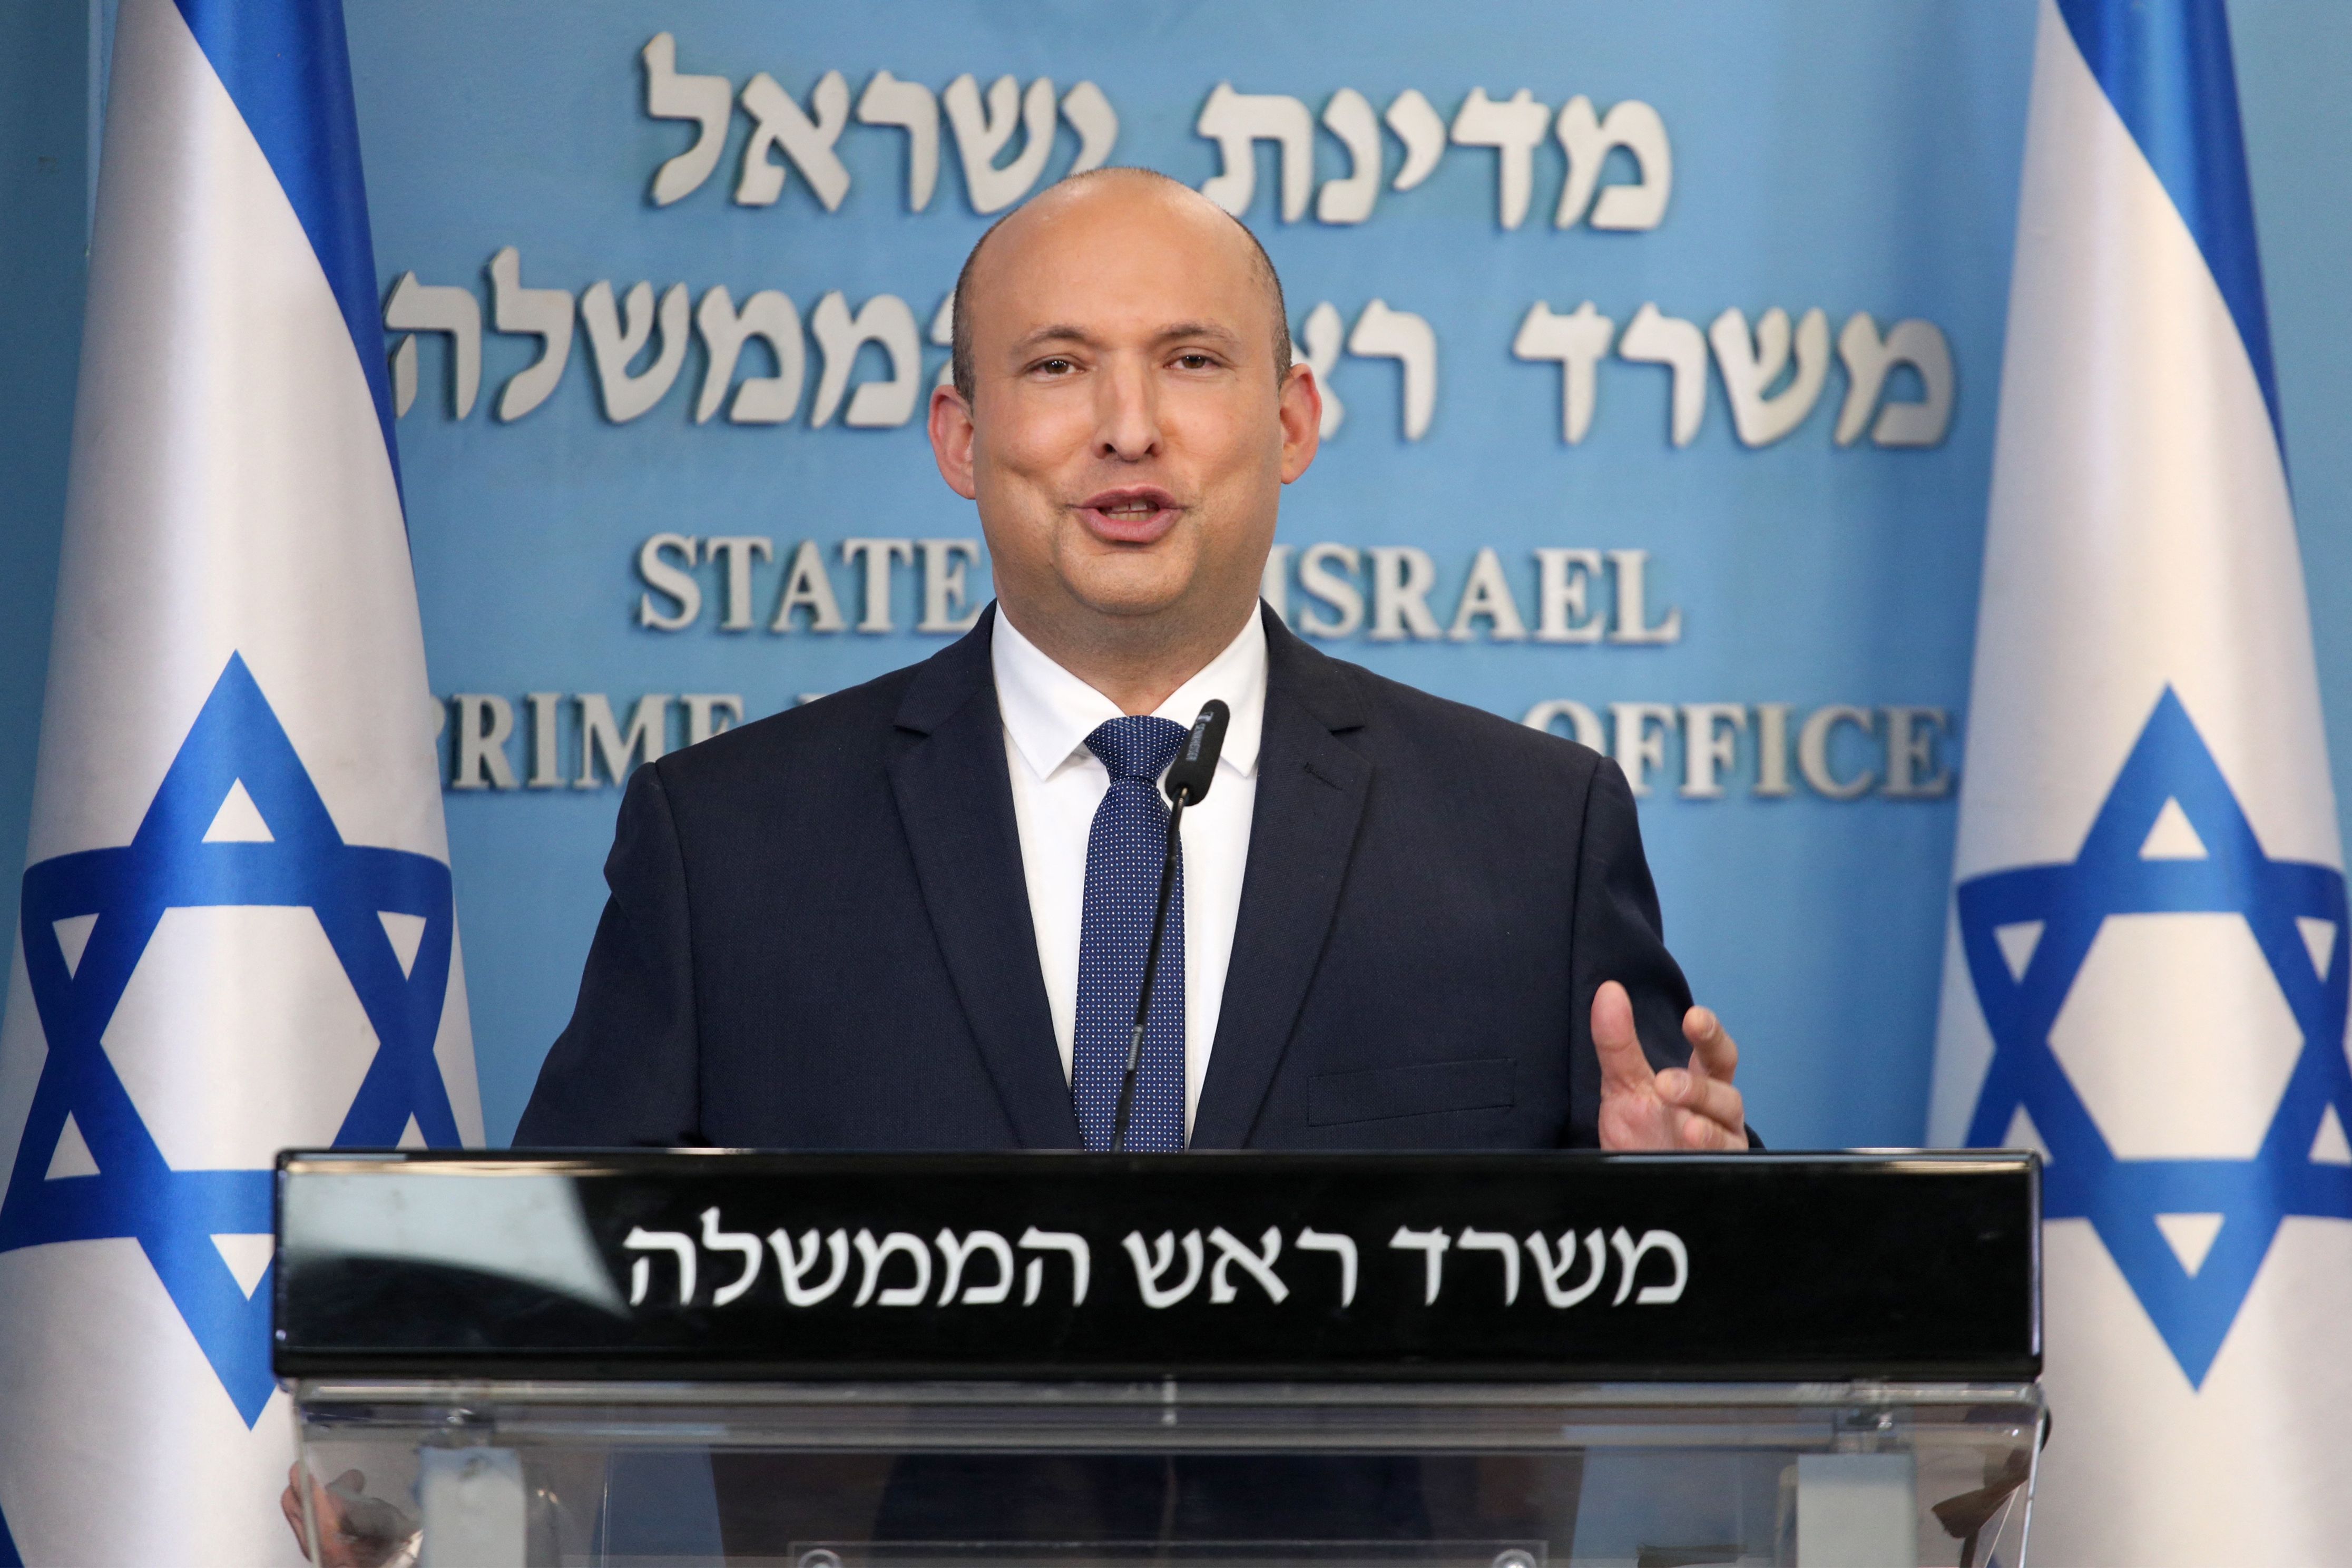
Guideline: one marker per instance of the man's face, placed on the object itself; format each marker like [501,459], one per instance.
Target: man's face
[1127,439]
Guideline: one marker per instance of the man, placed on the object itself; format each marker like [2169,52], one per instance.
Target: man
[913,915]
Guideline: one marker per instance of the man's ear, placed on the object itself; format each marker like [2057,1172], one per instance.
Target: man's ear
[1301,413]
[952,432]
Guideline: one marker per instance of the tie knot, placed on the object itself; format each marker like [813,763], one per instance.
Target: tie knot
[1137,747]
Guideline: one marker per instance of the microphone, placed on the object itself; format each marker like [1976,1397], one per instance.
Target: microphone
[1189,778]
[1195,766]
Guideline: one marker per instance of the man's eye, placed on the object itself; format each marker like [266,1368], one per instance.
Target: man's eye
[1056,366]
[1196,361]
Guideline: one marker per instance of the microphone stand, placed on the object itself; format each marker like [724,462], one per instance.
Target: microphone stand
[1182,796]
[1190,775]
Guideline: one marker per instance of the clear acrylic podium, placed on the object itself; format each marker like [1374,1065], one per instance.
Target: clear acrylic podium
[945,1362]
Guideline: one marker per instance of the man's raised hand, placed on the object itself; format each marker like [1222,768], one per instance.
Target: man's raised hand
[1695,1109]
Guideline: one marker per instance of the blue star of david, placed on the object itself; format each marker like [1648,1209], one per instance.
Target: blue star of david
[2083,1178]
[173,1215]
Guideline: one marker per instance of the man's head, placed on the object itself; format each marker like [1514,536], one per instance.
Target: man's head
[1125,413]
[960,367]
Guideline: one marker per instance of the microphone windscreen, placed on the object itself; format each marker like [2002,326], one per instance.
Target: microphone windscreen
[1196,765]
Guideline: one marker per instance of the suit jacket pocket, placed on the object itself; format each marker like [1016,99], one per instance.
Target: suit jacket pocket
[1378,1093]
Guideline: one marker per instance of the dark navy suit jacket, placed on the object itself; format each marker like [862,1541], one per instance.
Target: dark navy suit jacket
[819,937]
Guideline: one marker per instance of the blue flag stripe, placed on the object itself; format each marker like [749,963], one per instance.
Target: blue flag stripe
[288,71]
[2166,66]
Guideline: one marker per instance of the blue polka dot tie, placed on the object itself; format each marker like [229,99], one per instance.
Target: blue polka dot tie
[1123,854]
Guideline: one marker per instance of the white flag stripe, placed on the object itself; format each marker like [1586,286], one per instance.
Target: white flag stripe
[260,517]
[2142,977]
[2248,1469]
[2139,515]
[237,678]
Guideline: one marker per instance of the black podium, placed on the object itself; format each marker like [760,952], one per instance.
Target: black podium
[937,1362]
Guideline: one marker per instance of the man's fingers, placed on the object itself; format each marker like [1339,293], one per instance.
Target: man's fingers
[1623,1067]
[1704,1097]
[1690,1107]
[1713,1053]
[1698,1132]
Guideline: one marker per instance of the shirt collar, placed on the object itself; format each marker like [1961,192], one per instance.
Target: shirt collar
[1049,712]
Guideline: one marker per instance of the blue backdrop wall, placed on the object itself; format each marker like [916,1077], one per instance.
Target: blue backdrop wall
[1767,614]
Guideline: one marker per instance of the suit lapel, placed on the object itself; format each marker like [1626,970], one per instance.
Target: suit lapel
[956,802]
[1311,789]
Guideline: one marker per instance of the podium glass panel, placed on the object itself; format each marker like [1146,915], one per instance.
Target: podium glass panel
[1084,1362]
[962,1475]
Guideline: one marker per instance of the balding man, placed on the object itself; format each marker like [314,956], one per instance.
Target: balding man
[913,915]
[909,916]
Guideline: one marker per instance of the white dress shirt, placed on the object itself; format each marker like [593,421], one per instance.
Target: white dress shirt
[1058,784]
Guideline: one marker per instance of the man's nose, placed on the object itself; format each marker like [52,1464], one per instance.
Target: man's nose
[1128,413]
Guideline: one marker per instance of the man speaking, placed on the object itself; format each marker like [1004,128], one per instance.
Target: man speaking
[914,915]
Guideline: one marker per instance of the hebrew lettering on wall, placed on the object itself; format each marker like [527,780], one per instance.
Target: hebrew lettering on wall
[705,100]
[779,124]
[1869,361]
[1577,341]
[1512,128]
[1753,365]
[884,319]
[1003,138]
[1382,333]
[616,340]
[541,313]
[1347,115]
[1237,123]
[1587,138]
[1334,154]
[413,307]
[768,317]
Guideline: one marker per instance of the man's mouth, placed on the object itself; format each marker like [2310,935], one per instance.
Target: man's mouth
[1136,515]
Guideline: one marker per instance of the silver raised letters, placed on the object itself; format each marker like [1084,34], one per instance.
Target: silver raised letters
[768,316]
[542,313]
[1587,138]
[779,121]
[1238,122]
[1869,358]
[414,307]
[614,341]
[886,319]
[1578,340]
[705,100]
[1750,366]
[981,134]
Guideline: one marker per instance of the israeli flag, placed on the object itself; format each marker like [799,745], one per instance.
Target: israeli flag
[236,929]
[2147,971]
